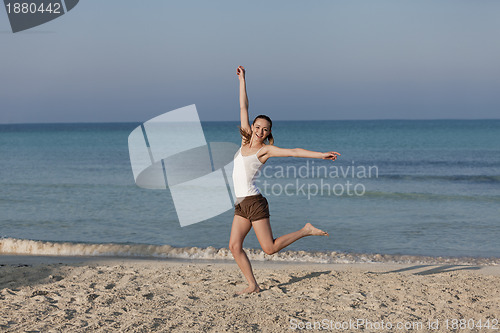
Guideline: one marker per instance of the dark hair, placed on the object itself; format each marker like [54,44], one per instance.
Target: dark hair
[247,136]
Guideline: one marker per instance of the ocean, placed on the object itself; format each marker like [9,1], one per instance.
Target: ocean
[402,190]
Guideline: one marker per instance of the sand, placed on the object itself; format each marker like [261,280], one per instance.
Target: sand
[49,294]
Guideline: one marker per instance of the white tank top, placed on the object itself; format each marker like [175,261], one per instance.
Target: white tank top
[244,171]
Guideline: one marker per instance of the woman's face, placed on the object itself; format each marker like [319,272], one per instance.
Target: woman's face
[261,129]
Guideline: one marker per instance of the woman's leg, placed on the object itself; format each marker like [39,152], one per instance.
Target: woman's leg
[241,227]
[270,245]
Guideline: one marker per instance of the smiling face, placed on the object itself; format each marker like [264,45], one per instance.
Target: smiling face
[261,129]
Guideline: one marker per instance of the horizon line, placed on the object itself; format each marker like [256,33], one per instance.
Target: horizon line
[230,121]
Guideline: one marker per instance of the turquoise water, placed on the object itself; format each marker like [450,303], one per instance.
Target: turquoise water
[434,187]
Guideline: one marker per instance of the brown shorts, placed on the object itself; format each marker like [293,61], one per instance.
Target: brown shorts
[254,207]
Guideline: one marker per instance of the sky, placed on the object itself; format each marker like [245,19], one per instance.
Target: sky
[123,61]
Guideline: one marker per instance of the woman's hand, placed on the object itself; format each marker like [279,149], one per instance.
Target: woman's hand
[240,71]
[331,155]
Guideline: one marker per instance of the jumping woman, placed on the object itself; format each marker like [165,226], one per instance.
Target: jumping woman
[251,208]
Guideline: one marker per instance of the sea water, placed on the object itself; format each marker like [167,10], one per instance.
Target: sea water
[400,189]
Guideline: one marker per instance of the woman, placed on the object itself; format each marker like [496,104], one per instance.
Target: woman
[251,209]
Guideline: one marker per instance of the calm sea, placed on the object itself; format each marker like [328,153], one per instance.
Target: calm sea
[400,188]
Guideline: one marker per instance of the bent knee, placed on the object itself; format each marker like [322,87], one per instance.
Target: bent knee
[268,250]
[235,247]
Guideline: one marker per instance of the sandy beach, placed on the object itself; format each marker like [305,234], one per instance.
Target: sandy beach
[44,294]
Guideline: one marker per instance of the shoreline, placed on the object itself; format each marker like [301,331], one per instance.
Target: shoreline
[13,246]
[21,260]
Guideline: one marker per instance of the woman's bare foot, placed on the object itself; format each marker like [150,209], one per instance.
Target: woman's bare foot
[313,231]
[249,290]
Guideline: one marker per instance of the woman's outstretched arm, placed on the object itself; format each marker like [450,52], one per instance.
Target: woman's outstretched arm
[273,151]
[245,123]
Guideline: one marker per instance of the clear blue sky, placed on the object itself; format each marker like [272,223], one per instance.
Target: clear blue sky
[121,60]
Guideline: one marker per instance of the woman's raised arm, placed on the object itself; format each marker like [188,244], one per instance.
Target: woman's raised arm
[245,123]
